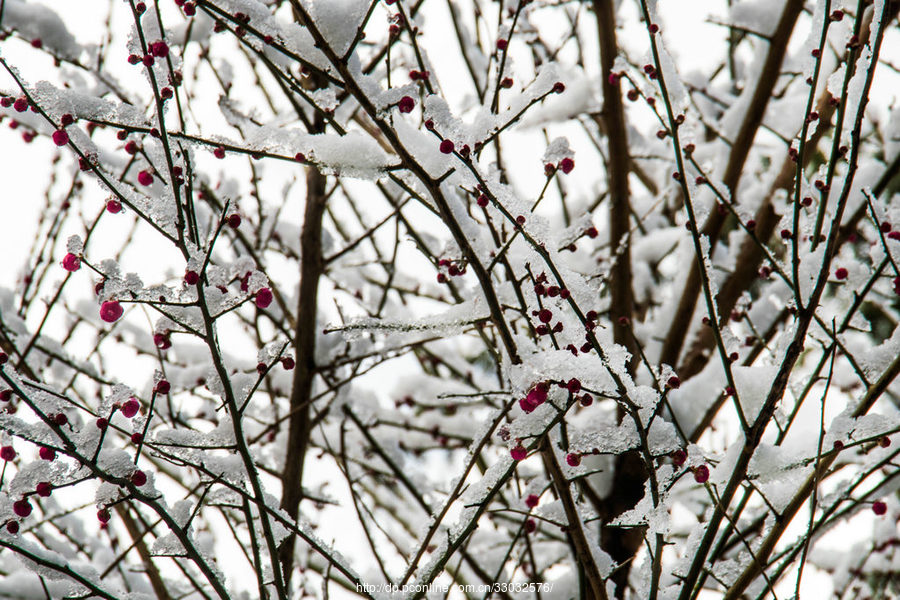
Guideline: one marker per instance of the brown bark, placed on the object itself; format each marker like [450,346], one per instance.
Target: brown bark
[740,149]
[312,265]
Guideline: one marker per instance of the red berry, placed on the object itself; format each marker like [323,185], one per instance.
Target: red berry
[446,146]
[46,453]
[219,152]
[71,263]
[7,453]
[102,423]
[162,387]
[573,459]
[591,232]
[518,453]
[103,515]
[21,104]
[482,201]
[113,206]
[139,478]
[884,442]
[559,87]
[574,385]
[44,489]
[532,500]
[189,9]
[12,527]
[191,277]
[148,60]
[137,437]
[545,315]
[111,311]
[679,457]
[701,474]
[22,508]
[674,382]
[60,419]
[406,104]
[130,408]
[263,297]
[159,49]
[879,507]
[566,165]
[502,44]
[234,220]
[288,363]
[841,273]
[60,137]
[145,178]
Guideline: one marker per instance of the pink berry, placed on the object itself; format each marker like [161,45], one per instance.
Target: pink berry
[111,311]
[263,297]
[130,408]
[46,453]
[566,165]
[701,474]
[145,178]
[446,146]
[22,508]
[44,489]
[518,453]
[7,453]
[60,137]
[573,459]
[406,104]
[879,507]
[139,478]
[71,263]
